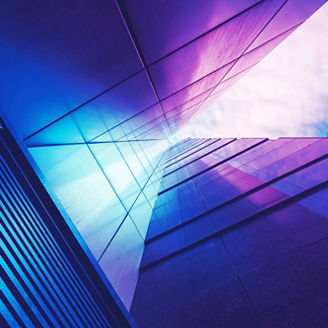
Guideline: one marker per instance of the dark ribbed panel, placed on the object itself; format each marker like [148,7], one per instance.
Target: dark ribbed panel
[47,279]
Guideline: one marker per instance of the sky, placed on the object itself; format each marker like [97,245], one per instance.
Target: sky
[285,95]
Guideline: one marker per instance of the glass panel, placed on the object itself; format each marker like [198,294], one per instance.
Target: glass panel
[197,88]
[174,72]
[121,261]
[163,27]
[62,61]
[317,202]
[254,56]
[140,214]
[82,189]
[293,13]
[117,172]
[310,176]
[105,112]
[132,161]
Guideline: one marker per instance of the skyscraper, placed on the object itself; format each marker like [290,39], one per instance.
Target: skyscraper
[205,232]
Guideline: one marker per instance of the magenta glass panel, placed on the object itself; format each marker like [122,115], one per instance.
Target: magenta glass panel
[222,87]
[259,151]
[176,114]
[292,146]
[227,151]
[305,179]
[196,88]
[253,57]
[183,115]
[201,152]
[185,104]
[267,197]
[209,160]
[191,155]
[293,13]
[182,118]
[231,80]
[299,158]
[164,26]
[174,72]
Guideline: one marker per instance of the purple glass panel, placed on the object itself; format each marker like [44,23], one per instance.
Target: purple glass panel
[261,150]
[257,242]
[294,160]
[59,56]
[293,13]
[222,87]
[267,197]
[292,146]
[300,224]
[310,176]
[174,72]
[164,26]
[196,89]
[153,129]
[253,57]
[227,151]
[201,152]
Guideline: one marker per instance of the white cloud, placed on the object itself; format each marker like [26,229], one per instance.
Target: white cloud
[284,95]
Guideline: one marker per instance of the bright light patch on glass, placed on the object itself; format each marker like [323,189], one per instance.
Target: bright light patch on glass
[284,95]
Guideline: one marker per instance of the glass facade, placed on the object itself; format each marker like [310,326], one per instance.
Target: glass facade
[238,233]
[96,91]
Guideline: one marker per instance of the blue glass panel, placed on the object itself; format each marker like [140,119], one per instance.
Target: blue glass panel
[81,187]
[61,61]
[117,172]
[121,261]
